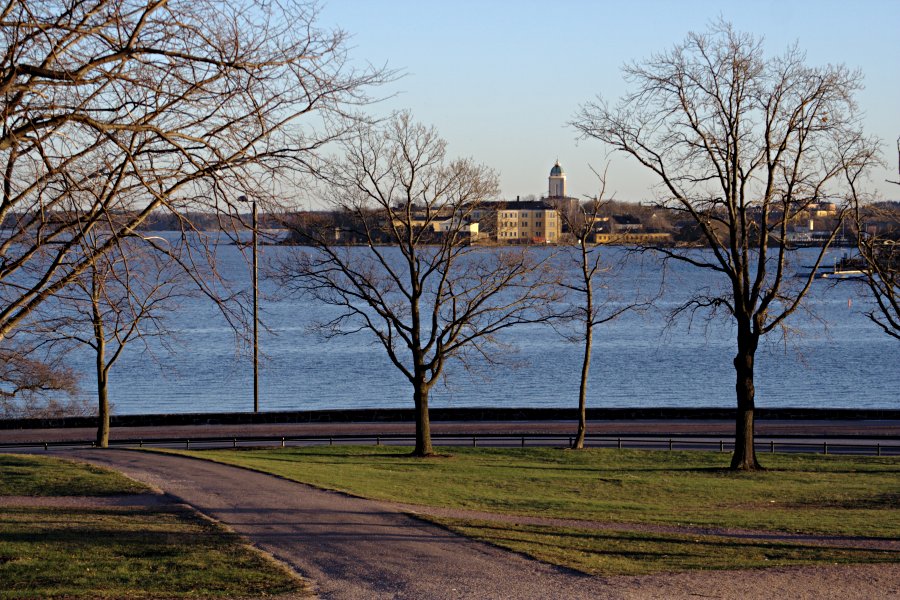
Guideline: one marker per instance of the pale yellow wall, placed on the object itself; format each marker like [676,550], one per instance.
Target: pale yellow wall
[528,225]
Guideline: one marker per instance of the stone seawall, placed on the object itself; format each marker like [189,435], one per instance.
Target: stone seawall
[401,415]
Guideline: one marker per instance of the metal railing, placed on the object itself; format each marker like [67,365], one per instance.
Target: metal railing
[877,446]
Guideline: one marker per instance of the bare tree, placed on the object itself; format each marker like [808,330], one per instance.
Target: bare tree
[415,283]
[116,109]
[741,144]
[35,382]
[125,296]
[881,253]
[581,221]
[878,242]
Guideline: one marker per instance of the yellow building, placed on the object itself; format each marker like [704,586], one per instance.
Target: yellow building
[527,222]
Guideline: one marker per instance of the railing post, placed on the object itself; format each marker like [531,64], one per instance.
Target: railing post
[282,442]
[772,446]
[825,447]
[187,444]
[721,445]
[474,442]
[46,446]
[330,441]
[377,440]
[670,443]
[234,442]
[523,441]
[878,449]
[140,443]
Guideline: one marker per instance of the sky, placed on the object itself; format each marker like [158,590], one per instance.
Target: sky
[501,79]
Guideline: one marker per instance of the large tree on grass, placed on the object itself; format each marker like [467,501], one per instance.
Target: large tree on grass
[741,144]
[416,283]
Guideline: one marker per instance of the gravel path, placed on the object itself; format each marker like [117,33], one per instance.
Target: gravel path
[353,548]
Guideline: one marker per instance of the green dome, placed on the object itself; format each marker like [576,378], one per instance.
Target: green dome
[556,171]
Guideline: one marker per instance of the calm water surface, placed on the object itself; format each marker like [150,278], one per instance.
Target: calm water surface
[839,360]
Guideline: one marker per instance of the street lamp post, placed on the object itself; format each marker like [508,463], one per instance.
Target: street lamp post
[255,311]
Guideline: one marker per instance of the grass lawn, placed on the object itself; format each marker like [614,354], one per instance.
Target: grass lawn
[642,553]
[26,475]
[115,552]
[834,495]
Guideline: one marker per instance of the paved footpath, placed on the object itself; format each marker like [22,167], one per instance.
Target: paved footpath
[352,548]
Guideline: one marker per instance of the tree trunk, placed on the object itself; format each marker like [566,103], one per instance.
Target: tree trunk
[102,371]
[423,422]
[578,443]
[102,389]
[102,412]
[744,457]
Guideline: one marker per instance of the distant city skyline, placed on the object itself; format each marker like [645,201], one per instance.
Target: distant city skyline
[500,80]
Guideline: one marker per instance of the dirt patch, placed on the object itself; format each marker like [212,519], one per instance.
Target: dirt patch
[745,534]
[127,500]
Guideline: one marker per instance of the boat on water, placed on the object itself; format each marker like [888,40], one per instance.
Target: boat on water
[844,268]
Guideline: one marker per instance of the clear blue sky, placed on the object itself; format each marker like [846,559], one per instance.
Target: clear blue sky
[500,79]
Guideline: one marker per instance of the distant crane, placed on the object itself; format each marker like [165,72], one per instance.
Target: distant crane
[898,162]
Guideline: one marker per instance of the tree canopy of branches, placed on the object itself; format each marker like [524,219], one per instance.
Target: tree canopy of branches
[32,381]
[123,297]
[739,143]
[878,243]
[116,109]
[416,285]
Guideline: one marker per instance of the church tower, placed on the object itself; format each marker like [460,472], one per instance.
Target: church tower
[557,182]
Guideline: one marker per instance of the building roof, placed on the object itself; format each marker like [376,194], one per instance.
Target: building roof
[556,171]
[522,205]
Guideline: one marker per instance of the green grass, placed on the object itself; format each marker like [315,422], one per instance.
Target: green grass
[22,475]
[834,495]
[128,553]
[799,493]
[640,553]
[134,552]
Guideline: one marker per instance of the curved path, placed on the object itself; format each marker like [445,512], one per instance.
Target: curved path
[353,548]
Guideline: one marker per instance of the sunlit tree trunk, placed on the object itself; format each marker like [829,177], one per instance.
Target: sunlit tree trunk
[102,371]
[423,422]
[744,457]
[578,443]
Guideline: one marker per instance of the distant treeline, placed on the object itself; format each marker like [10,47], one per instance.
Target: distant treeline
[645,217]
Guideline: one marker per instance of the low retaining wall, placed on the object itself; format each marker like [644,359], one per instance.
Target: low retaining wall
[400,415]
